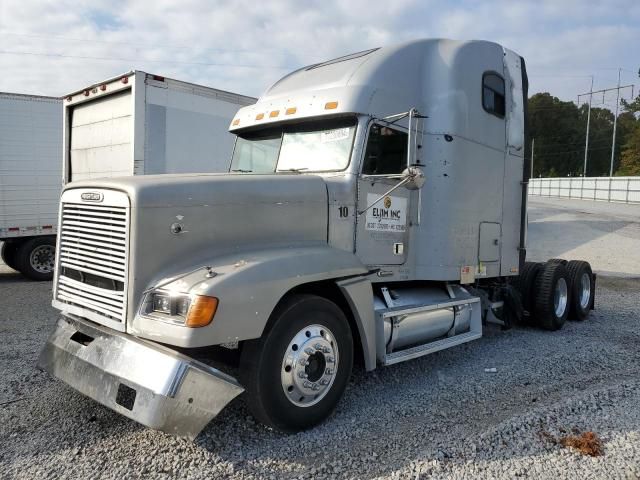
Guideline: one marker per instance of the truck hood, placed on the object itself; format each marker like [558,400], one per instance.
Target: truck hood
[182,222]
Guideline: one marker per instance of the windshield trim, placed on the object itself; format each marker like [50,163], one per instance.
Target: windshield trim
[356,125]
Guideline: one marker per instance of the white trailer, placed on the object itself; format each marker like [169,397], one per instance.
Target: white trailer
[30,171]
[139,124]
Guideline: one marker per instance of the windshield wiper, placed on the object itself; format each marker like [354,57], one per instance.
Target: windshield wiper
[295,170]
[241,170]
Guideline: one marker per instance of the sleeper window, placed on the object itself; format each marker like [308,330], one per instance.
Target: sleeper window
[493,94]
[386,151]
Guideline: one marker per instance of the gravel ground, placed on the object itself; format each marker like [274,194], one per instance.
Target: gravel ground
[439,416]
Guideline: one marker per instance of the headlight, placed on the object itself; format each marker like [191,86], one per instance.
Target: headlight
[171,304]
[186,309]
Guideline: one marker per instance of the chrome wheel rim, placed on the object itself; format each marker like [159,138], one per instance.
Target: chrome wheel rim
[309,365]
[585,290]
[560,297]
[43,258]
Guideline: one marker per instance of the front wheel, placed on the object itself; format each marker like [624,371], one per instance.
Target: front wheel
[36,258]
[8,252]
[295,374]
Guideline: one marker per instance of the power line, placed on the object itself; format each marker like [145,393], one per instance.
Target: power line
[547,145]
[129,44]
[114,59]
[552,154]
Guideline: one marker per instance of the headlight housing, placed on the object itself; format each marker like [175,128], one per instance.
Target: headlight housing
[180,308]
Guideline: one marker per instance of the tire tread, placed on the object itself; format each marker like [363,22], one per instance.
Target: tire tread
[544,294]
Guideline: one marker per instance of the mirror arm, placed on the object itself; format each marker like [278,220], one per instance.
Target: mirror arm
[409,137]
[398,185]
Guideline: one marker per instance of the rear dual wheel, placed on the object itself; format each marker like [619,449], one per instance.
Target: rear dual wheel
[552,296]
[556,290]
[583,285]
[526,282]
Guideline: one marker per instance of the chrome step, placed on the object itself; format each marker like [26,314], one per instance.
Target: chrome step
[427,348]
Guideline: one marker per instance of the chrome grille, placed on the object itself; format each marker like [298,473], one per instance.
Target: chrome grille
[92,258]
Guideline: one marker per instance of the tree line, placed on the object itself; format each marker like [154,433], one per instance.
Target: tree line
[559,130]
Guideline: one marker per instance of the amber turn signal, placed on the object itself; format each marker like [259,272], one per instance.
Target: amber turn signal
[201,311]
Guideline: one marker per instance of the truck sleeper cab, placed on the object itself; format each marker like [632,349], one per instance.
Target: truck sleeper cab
[374,211]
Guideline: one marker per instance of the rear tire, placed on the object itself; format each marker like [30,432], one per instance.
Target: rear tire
[35,258]
[582,289]
[295,374]
[8,252]
[552,296]
[525,283]
[558,260]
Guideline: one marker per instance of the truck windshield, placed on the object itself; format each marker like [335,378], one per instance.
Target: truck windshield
[309,147]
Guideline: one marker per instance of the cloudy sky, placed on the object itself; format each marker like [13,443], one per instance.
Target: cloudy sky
[54,47]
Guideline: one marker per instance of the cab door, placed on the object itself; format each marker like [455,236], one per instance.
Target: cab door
[382,230]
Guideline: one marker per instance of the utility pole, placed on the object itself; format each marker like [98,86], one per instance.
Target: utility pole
[591,92]
[615,124]
[533,144]
[586,141]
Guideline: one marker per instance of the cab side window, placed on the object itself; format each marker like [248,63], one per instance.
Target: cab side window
[493,100]
[386,151]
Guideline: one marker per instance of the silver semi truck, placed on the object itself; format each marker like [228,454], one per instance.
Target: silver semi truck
[374,211]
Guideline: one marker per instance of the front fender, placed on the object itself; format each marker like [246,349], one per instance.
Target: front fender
[248,286]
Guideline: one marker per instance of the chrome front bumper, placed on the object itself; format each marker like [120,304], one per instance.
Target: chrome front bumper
[149,383]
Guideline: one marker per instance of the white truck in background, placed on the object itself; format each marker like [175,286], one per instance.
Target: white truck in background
[30,171]
[140,124]
[132,124]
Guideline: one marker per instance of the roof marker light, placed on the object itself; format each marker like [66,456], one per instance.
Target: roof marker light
[260,116]
[274,113]
[86,93]
[290,111]
[103,87]
[69,98]
[124,80]
[331,105]
[236,122]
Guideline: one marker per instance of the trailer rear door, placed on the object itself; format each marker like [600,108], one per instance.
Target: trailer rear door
[101,136]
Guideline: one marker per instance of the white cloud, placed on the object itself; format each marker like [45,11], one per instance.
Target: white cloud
[246,41]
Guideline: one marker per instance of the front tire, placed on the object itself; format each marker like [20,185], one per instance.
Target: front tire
[35,258]
[295,374]
[8,252]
